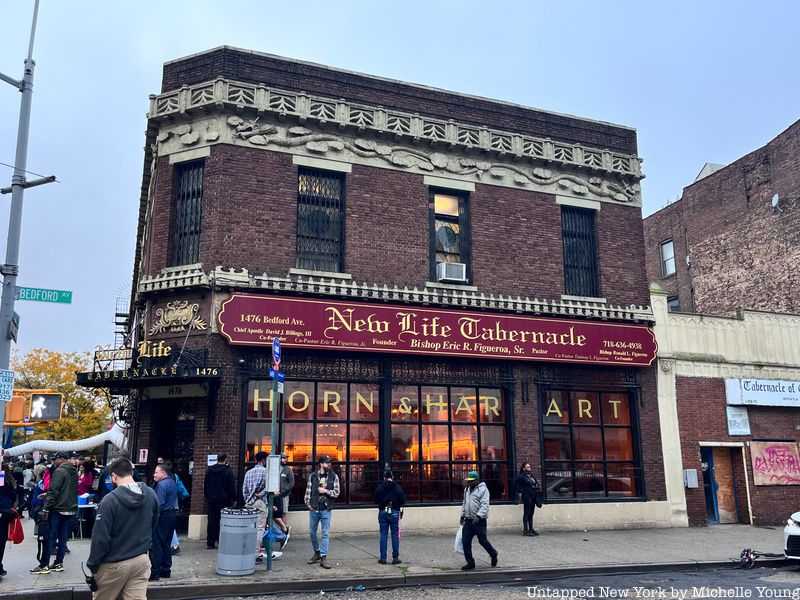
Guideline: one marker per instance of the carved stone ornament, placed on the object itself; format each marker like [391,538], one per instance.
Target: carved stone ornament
[666,365]
[177,317]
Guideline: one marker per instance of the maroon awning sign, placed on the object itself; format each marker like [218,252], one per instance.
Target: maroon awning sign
[255,320]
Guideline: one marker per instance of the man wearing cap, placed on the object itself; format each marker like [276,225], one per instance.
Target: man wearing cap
[60,507]
[321,490]
[474,513]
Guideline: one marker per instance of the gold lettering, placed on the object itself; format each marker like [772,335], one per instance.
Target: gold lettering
[326,405]
[306,400]
[584,405]
[553,408]
[441,404]
[257,399]
[615,404]
[360,400]
[492,403]
[405,406]
[462,402]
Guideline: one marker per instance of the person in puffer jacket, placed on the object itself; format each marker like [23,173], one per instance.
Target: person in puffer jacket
[474,514]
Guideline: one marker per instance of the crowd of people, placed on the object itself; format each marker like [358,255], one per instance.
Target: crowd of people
[49,492]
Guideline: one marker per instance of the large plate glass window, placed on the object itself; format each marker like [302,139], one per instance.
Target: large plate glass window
[589,445]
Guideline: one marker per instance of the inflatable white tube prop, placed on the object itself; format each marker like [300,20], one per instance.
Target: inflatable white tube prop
[115,435]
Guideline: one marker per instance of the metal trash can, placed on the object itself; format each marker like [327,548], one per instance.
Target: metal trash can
[237,541]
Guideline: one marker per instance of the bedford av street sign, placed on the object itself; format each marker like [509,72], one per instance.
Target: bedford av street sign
[44,295]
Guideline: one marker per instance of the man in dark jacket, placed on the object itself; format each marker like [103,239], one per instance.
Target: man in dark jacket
[390,498]
[60,508]
[121,536]
[220,492]
[167,494]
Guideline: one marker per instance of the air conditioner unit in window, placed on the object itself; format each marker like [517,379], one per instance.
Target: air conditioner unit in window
[446,271]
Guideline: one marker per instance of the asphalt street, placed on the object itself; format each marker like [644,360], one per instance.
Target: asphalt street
[736,583]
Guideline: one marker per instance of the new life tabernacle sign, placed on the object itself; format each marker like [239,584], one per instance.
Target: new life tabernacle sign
[256,320]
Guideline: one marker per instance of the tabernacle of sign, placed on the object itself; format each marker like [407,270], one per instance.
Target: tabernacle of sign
[255,320]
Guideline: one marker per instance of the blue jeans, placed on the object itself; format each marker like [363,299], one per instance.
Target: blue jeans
[160,550]
[60,526]
[314,519]
[275,532]
[388,521]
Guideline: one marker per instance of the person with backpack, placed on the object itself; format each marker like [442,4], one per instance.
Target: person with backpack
[390,498]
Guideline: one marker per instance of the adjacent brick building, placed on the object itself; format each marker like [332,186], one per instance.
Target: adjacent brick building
[458,283]
[728,248]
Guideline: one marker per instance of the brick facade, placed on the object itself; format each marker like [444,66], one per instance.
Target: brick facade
[701,413]
[249,220]
[742,248]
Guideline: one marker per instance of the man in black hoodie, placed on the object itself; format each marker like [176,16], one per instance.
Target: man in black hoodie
[220,492]
[121,536]
[390,500]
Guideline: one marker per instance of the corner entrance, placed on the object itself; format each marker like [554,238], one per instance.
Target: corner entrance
[173,425]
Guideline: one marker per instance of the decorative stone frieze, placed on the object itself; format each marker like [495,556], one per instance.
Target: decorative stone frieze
[374,136]
[241,280]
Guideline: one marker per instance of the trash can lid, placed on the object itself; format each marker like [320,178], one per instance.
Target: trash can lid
[239,511]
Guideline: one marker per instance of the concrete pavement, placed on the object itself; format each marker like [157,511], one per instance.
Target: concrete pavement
[426,559]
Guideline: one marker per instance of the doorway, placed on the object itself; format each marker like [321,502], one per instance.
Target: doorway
[719,485]
[173,422]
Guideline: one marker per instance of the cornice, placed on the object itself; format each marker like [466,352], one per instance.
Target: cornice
[338,129]
[241,280]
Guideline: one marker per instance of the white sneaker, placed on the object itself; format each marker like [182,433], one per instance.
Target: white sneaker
[276,554]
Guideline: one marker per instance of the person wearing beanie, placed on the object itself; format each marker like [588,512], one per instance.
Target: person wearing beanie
[321,490]
[474,515]
[390,498]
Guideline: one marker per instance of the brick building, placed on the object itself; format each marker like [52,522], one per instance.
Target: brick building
[458,283]
[731,241]
[723,254]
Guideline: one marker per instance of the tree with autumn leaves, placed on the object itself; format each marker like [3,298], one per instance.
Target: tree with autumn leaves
[84,411]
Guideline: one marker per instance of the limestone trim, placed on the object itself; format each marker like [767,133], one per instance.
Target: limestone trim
[578,203]
[321,163]
[450,184]
[337,287]
[187,155]
[403,139]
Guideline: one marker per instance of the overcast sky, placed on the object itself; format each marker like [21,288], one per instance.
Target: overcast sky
[700,81]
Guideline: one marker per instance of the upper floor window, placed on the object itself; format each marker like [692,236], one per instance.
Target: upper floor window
[673,304]
[580,251]
[320,221]
[188,202]
[448,237]
[667,258]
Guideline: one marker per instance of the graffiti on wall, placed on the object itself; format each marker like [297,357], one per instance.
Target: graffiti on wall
[775,463]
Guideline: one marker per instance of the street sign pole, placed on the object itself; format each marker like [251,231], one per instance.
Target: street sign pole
[18,185]
[276,363]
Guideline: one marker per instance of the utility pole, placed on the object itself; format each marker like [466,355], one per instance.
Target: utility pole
[10,268]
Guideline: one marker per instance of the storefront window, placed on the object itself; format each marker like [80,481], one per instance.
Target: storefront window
[438,434]
[589,445]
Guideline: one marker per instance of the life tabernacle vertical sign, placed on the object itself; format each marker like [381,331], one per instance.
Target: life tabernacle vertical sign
[255,320]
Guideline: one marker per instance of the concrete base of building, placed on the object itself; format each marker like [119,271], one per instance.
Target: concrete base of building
[551,517]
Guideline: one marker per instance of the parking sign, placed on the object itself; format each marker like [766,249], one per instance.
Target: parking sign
[6,385]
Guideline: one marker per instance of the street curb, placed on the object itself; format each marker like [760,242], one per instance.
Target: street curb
[484,575]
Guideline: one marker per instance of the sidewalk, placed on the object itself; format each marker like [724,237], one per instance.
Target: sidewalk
[426,559]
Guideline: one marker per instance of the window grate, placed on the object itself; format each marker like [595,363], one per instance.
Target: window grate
[580,251]
[320,221]
[188,188]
